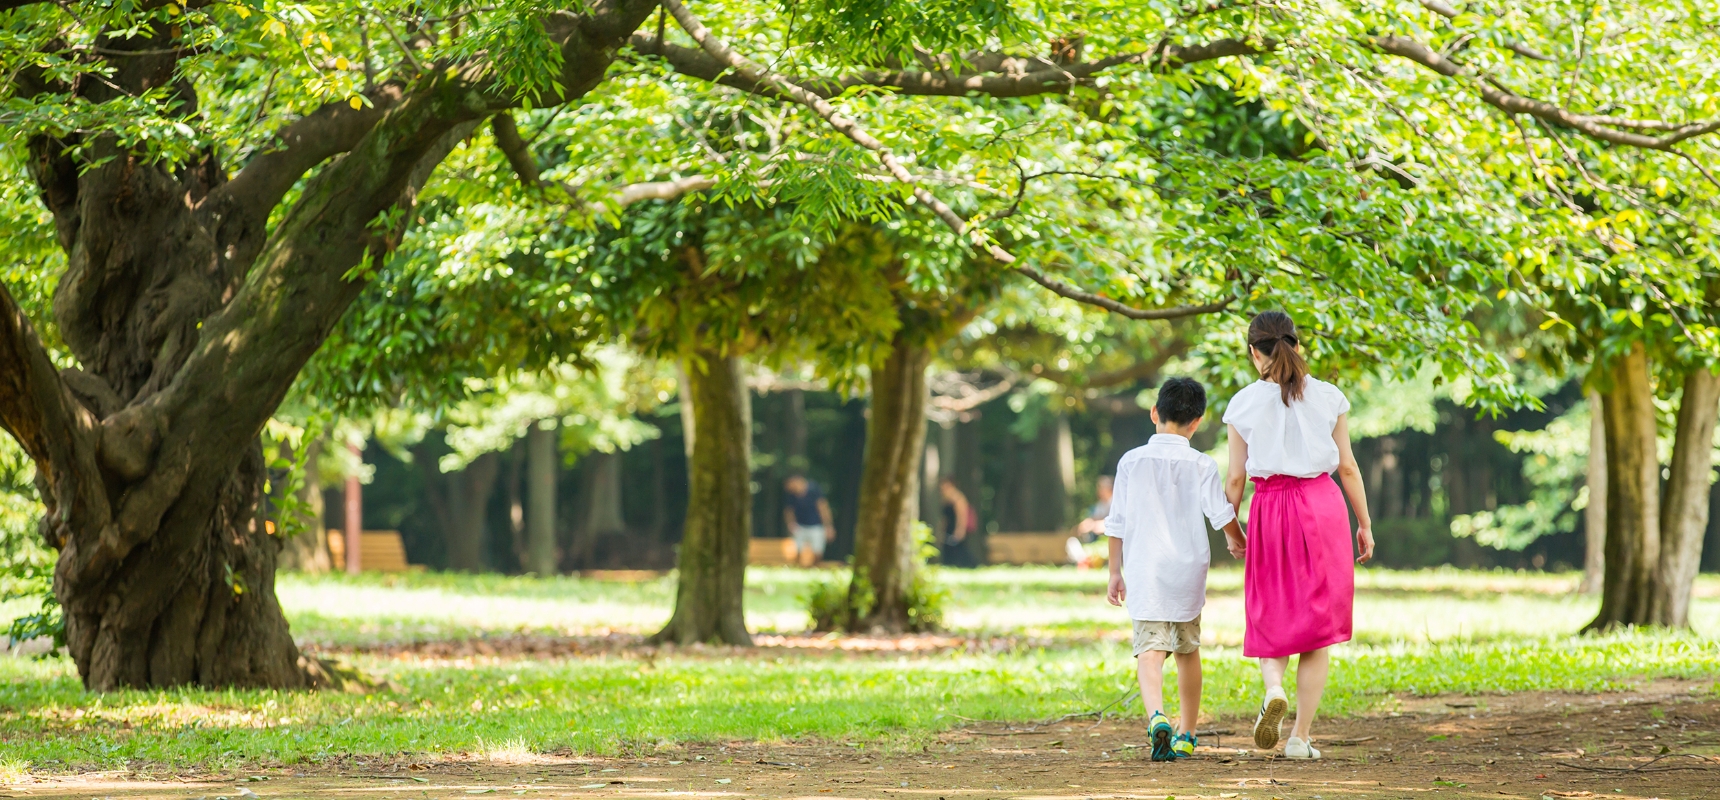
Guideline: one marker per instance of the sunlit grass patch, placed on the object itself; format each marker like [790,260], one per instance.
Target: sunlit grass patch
[13,771]
[512,751]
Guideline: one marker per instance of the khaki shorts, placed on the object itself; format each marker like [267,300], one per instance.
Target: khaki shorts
[1168,637]
[809,537]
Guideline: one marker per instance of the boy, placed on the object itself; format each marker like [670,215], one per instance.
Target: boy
[1159,555]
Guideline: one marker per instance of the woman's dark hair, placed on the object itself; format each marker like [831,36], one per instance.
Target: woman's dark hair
[1181,401]
[1273,334]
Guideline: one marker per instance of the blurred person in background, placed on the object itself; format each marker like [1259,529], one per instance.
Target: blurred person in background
[808,517]
[959,522]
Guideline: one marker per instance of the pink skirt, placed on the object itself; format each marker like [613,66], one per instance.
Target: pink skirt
[1299,576]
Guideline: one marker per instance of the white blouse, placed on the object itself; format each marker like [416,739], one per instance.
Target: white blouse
[1291,440]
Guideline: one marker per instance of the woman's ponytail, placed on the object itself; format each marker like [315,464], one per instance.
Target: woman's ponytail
[1273,334]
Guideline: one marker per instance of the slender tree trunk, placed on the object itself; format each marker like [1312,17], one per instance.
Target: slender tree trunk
[889,481]
[514,480]
[1684,510]
[600,513]
[308,551]
[464,527]
[1595,516]
[1053,474]
[1633,495]
[540,499]
[713,557]
[794,429]
[604,513]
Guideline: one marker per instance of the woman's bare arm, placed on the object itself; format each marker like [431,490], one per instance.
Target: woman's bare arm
[1236,479]
[1350,477]
[962,512]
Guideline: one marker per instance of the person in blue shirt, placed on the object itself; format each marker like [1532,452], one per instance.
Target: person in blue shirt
[808,516]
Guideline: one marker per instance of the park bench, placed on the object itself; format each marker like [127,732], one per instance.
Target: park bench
[1027,548]
[770,552]
[379,551]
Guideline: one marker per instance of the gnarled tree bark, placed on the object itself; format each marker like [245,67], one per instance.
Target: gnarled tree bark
[889,481]
[189,318]
[713,555]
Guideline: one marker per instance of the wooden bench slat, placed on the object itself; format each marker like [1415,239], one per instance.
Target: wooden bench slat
[378,551]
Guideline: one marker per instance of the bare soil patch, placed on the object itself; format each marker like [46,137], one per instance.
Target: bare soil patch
[1661,741]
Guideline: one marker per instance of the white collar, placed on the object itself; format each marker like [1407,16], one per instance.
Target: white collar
[1168,438]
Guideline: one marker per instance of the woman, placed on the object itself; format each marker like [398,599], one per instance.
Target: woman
[959,521]
[1289,433]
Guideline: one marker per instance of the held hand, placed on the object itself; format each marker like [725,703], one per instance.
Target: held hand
[1238,546]
[1115,592]
[1365,544]
[829,534]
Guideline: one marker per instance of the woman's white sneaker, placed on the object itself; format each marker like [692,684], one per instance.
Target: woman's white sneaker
[1271,715]
[1297,747]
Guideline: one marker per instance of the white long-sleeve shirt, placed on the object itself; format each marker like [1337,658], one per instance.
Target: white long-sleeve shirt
[1165,494]
[1294,439]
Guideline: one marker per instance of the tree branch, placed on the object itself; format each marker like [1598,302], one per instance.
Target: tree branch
[847,126]
[1446,10]
[1511,103]
[301,146]
[54,429]
[514,148]
[1043,79]
[1065,290]
[957,394]
[525,166]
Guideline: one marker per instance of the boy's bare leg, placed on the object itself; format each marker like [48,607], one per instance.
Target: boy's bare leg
[1188,689]
[1150,669]
[1311,670]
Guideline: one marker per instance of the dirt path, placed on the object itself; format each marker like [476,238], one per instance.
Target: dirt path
[1531,746]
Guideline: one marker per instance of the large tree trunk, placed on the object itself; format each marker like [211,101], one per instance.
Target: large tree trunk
[1633,494]
[1595,516]
[190,316]
[889,481]
[713,557]
[540,499]
[1684,507]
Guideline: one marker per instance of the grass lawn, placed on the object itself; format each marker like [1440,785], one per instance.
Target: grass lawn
[1063,650]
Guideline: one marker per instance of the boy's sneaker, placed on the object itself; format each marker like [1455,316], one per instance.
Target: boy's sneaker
[1183,746]
[1297,747]
[1271,715]
[1159,729]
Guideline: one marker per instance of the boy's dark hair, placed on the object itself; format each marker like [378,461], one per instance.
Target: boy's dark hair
[1181,401]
